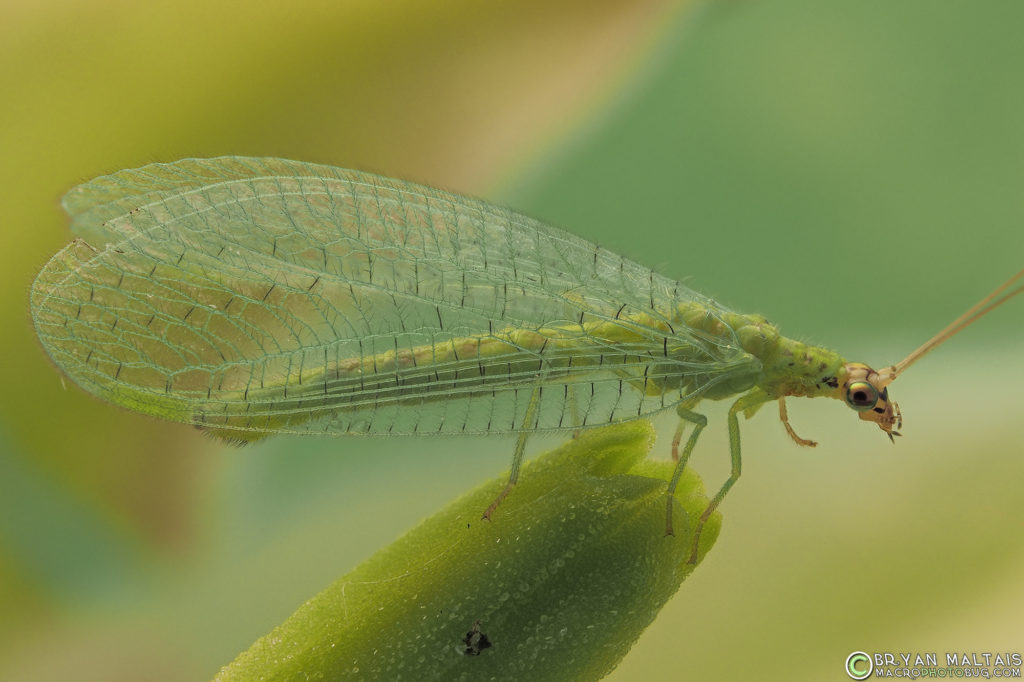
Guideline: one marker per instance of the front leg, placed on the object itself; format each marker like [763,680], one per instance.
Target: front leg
[784,416]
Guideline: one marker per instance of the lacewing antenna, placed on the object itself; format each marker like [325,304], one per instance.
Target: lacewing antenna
[1001,295]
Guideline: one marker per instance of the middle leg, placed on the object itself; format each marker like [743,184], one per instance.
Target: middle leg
[750,401]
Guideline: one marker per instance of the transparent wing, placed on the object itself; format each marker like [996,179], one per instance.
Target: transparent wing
[267,295]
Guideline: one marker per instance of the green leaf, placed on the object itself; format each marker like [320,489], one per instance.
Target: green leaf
[573,566]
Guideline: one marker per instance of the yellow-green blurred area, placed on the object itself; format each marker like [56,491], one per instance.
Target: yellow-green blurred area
[852,170]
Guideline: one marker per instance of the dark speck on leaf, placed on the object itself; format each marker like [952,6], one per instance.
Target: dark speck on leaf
[475,641]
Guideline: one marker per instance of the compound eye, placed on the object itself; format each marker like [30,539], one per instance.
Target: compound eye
[861,396]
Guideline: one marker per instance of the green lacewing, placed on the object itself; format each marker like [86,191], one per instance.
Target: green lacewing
[251,297]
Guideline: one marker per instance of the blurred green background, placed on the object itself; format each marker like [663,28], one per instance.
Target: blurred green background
[851,170]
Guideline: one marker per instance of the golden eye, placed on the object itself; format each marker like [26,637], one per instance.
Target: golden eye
[861,396]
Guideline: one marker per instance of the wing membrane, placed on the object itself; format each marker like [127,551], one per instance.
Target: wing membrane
[269,295]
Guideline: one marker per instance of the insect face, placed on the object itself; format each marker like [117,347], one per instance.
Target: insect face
[865,391]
